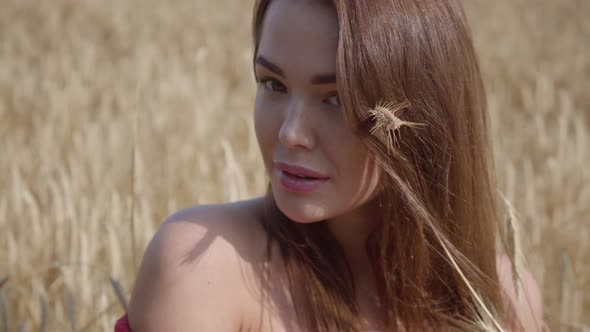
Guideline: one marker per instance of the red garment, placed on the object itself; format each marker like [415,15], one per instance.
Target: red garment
[122,325]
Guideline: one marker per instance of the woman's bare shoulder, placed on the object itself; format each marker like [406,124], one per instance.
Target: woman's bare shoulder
[192,273]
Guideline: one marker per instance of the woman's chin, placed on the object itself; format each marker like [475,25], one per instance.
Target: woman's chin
[303,220]
[301,212]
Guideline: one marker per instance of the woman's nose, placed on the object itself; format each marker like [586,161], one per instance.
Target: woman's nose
[297,129]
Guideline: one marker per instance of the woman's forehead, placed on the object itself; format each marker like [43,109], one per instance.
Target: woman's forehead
[303,16]
[300,33]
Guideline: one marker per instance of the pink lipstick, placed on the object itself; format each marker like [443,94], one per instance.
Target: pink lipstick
[299,179]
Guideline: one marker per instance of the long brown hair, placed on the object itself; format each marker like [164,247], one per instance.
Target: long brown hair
[433,251]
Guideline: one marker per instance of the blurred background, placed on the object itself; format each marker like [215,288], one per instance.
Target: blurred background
[114,114]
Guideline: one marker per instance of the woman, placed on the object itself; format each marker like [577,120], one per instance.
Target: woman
[380,212]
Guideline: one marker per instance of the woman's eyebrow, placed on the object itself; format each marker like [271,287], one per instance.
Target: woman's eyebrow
[317,79]
[269,65]
[324,79]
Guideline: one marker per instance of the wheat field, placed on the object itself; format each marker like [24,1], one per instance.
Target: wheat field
[114,114]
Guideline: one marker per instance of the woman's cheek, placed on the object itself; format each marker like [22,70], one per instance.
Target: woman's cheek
[339,138]
[265,127]
[345,149]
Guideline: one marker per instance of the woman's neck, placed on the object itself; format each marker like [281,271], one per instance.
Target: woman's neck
[351,231]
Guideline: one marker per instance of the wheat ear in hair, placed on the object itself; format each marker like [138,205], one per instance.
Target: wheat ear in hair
[388,122]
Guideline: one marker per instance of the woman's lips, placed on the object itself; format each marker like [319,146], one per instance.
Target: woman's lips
[297,184]
[300,171]
[299,179]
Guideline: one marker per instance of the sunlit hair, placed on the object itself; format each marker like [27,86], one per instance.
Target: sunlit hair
[434,249]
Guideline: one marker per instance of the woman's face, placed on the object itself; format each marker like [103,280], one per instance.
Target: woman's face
[298,119]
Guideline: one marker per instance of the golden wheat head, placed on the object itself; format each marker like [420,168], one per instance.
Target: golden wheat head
[388,122]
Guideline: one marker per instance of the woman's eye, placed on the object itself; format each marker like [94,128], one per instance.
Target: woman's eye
[273,85]
[334,100]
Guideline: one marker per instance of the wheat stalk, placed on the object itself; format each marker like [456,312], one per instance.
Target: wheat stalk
[388,122]
[119,292]
[514,245]
[22,327]
[71,308]
[133,174]
[487,321]
[3,314]
[44,311]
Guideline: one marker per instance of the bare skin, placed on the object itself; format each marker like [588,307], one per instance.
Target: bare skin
[202,269]
[201,272]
